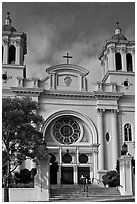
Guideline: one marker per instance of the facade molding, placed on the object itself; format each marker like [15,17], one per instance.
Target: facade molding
[67,67]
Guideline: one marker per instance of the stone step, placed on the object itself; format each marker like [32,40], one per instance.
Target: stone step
[97,199]
[76,192]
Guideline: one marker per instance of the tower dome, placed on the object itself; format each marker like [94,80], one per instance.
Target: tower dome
[118,35]
[8,26]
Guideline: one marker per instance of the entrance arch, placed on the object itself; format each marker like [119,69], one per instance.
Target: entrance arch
[74,155]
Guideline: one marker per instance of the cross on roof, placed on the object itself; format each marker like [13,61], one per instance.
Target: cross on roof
[8,14]
[67,58]
[117,24]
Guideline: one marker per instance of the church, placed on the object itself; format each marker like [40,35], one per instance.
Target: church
[84,130]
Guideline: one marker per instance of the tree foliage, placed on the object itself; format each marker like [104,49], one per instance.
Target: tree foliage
[21,128]
[21,132]
[111,178]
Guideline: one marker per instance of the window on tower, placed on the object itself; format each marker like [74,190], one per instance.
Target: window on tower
[12,53]
[127,132]
[129,62]
[118,62]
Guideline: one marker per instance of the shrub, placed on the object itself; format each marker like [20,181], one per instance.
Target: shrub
[111,178]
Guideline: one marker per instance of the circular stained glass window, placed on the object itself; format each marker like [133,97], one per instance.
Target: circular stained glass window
[67,158]
[66,130]
[83,158]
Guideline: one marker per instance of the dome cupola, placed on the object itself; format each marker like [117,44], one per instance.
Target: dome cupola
[7,26]
[118,35]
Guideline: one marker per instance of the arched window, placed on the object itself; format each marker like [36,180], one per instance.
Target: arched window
[129,62]
[118,61]
[12,53]
[127,132]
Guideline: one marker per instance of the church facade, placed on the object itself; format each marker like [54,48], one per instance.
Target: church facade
[84,130]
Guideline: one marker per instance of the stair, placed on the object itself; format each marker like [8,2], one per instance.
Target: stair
[76,193]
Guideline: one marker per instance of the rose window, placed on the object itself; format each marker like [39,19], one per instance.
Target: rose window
[66,130]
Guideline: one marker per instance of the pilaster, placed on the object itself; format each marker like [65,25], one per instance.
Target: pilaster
[111,59]
[123,58]
[125,175]
[101,139]
[18,53]
[6,51]
[95,161]
[114,139]
[133,59]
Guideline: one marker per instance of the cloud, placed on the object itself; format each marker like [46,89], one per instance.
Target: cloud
[130,32]
[40,48]
[44,50]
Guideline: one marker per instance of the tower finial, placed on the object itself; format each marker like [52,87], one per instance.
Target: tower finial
[8,14]
[8,20]
[118,29]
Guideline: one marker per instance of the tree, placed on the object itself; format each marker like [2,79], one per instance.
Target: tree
[21,135]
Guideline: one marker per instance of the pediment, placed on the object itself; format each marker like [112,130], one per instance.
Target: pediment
[67,77]
[68,68]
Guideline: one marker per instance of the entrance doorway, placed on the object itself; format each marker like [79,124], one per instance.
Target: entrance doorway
[66,175]
[83,171]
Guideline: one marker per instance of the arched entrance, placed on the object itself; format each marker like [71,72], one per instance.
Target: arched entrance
[70,137]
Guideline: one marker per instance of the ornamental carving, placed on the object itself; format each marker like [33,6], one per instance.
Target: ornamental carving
[6,77]
[67,80]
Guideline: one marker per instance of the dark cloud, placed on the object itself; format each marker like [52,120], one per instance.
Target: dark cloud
[54,28]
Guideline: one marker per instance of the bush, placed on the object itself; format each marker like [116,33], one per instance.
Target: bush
[25,176]
[111,178]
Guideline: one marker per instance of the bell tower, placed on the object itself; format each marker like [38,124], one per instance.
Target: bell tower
[118,55]
[14,49]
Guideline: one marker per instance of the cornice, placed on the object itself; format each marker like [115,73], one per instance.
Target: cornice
[69,95]
[107,95]
[27,91]
[117,73]
[83,95]
[13,66]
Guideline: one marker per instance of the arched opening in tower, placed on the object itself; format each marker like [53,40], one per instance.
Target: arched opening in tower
[129,62]
[12,54]
[118,62]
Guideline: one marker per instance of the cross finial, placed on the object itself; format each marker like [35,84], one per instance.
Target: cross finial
[117,24]
[67,58]
[8,14]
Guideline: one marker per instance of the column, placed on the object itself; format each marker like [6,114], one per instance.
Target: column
[133,60]
[59,175]
[101,139]
[123,59]
[5,51]
[75,175]
[95,162]
[52,81]
[111,59]
[114,138]
[18,43]
[103,70]
[82,83]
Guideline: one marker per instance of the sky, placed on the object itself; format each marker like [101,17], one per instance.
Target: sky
[79,28]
